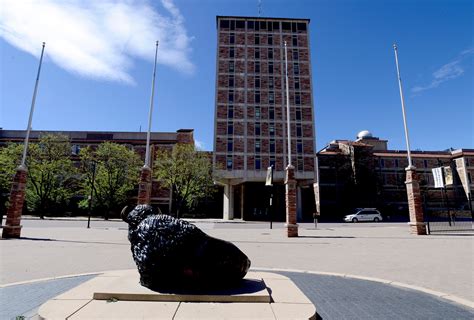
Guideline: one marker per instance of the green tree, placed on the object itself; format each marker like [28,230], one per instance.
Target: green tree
[52,177]
[187,172]
[10,156]
[116,174]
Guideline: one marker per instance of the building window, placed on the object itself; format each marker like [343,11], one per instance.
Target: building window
[257,67]
[298,114]
[257,129]
[231,96]
[257,113]
[231,52]
[297,83]
[232,24]
[425,163]
[270,67]
[286,26]
[272,145]
[295,40]
[299,132]
[382,163]
[301,26]
[299,146]
[270,53]
[257,39]
[240,24]
[263,25]
[271,97]
[270,38]
[300,164]
[272,161]
[232,38]
[271,113]
[229,162]
[230,128]
[231,81]
[230,112]
[295,54]
[297,99]
[396,163]
[296,68]
[257,82]
[257,53]
[276,26]
[257,146]
[250,25]
[258,163]
[271,83]
[231,66]
[224,24]
[271,129]
[230,145]
[257,96]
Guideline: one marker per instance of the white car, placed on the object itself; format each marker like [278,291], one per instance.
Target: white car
[364,214]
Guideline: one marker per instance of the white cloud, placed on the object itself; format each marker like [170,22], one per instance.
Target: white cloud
[199,144]
[98,39]
[449,71]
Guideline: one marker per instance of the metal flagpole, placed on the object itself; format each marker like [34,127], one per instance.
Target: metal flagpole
[147,153]
[33,100]
[410,164]
[287,107]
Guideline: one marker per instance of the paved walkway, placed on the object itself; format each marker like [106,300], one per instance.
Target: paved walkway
[334,297]
[443,263]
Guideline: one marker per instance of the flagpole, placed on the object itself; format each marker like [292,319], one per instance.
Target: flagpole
[147,153]
[32,108]
[287,107]
[410,164]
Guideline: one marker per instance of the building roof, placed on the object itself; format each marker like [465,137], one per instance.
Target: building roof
[262,18]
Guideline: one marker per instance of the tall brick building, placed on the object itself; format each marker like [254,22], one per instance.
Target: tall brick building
[250,113]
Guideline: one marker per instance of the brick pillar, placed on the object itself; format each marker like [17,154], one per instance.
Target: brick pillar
[417,225]
[290,199]
[12,227]
[144,186]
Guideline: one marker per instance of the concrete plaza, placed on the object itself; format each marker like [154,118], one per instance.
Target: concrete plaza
[441,265]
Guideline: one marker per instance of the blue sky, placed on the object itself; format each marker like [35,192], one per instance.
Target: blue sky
[99,58]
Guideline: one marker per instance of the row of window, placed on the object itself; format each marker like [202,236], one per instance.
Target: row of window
[296,67]
[263,25]
[270,53]
[272,162]
[271,113]
[269,38]
[271,95]
[272,148]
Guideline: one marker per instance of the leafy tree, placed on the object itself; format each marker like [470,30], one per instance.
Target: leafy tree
[9,160]
[52,177]
[187,172]
[116,174]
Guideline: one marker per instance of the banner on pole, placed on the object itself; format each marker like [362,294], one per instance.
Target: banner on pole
[448,176]
[438,177]
[269,180]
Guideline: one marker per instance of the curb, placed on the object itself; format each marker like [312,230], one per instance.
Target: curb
[450,297]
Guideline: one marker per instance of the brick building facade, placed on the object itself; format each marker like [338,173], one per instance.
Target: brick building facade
[365,173]
[250,113]
[134,140]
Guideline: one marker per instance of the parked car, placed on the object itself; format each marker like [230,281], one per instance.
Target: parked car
[364,214]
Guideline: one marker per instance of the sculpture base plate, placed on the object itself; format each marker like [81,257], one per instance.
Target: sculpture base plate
[119,295]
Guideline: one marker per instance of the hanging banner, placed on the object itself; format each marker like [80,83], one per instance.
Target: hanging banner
[269,180]
[438,177]
[462,172]
[448,176]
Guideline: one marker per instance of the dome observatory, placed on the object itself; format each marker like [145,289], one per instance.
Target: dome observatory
[364,134]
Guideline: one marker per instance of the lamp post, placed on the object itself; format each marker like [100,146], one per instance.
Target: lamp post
[417,225]
[12,228]
[91,196]
[290,182]
[144,187]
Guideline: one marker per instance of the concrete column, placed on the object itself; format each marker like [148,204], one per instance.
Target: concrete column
[290,199]
[144,186]
[228,202]
[12,227]
[417,225]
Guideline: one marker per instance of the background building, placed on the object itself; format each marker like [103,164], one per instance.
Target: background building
[250,114]
[136,141]
[365,173]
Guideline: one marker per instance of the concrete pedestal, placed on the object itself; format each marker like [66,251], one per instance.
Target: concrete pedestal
[290,200]
[12,227]
[144,186]
[417,224]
